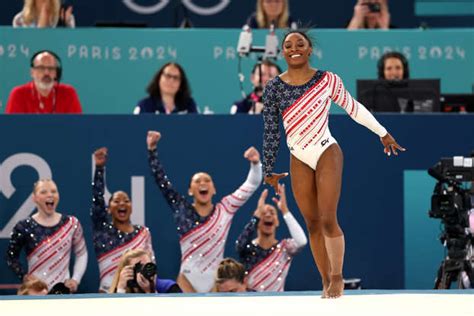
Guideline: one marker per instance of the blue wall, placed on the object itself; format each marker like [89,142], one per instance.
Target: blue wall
[371,208]
[235,13]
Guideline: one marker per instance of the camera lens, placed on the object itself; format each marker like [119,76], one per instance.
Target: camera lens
[149,270]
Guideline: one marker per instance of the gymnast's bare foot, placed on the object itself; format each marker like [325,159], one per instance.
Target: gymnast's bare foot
[336,286]
[325,289]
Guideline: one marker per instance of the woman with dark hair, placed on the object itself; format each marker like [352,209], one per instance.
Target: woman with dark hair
[202,225]
[168,93]
[267,260]
[393,66]
[113,231]
[302,97]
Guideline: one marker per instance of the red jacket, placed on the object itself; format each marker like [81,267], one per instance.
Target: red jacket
[27,100]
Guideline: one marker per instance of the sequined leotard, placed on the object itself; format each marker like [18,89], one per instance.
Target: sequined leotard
[48,249]
[304,110]
[109,242]
[267,269]
[202,239]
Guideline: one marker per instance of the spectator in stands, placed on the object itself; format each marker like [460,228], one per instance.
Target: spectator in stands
[44,13]
[393,66]
[230,277]
[252,103]
[48,231]
[136,273]
[267,260]
[112,230]
[33,286]
[268,12]
[202,226]
[370,14]
[44,94]
[169,92]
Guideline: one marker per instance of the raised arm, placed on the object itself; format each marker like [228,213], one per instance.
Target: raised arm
[249,232]
[298,237]
[360,114]
[254,178]
[175,200]
[98,211]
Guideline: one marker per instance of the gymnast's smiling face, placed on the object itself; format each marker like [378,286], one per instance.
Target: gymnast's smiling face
[297,50]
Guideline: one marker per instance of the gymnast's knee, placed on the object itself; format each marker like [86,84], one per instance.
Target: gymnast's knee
[330,226]
[314,225]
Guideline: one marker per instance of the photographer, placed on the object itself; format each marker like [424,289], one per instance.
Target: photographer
[136,273]
[370,14]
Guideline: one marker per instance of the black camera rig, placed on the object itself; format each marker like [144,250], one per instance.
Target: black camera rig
[451,202]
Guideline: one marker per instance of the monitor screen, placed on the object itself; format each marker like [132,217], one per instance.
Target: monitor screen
[457,102]
[410,95]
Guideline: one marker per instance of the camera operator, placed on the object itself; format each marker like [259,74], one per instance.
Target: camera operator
[370,14]
[136,273]
[261,74]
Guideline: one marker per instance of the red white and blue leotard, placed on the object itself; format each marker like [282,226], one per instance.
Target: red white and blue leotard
[48,249]
[202,239]
[305,111]
[267,269]
[109,242]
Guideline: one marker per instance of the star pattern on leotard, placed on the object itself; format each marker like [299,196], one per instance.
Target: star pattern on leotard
[277,97]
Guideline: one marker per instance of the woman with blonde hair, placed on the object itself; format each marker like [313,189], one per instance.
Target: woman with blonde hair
[44,13]
[136,273]
[33,286]
[268,12]
[49,239]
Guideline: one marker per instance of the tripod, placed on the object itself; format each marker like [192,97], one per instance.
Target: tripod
[456,266]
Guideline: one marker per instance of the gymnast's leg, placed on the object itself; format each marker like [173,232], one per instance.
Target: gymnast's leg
[328,185]
[303,184]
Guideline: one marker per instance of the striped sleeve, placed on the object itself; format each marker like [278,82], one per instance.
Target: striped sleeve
[354,108]
[234,201]
[80,250]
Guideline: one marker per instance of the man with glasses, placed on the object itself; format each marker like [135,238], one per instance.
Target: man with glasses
[44,94]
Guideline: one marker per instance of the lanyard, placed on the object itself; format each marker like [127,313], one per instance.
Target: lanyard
[41,103]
